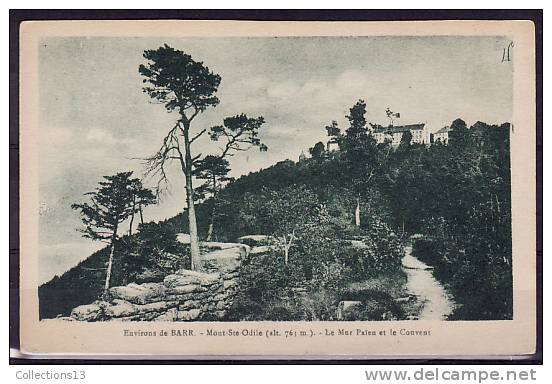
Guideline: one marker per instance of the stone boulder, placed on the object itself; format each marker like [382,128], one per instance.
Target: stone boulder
[89,312]
[208,246]
[223,261]
[257,240]
[170,315]
[215,245]
[185,277]
[183,238]
[138,293]
[190,315]
[121,308]
[149,276]
[261,250]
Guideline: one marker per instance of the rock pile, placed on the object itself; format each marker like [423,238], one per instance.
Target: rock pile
[183,296]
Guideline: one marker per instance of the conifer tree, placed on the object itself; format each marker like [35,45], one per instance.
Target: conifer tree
[214,170]
[188,87]
[141,197]
[109,206]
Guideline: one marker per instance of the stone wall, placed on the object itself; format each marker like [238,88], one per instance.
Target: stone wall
[186,295]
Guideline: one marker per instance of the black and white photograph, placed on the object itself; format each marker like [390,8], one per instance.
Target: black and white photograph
[283,179]
[277,188]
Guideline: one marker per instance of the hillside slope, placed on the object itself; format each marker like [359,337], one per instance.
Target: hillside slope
[457,196]
[84,282]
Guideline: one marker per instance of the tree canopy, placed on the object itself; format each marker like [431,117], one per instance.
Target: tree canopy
[110,205]
[173,78]
[239,133]
[113,202]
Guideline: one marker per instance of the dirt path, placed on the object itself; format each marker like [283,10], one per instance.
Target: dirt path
[437,303]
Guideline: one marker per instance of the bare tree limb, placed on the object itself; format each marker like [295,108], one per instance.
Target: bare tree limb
[198,135]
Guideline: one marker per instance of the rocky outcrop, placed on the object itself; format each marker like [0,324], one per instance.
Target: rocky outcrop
[186,295]
[259,244]
[257,240]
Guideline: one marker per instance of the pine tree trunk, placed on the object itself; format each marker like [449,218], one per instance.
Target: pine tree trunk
[132,216]
[141,213]
[357,213]
[110,262]
[211,226]
[194,240]
[212,222]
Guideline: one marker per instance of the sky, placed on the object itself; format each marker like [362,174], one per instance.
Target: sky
[95,120]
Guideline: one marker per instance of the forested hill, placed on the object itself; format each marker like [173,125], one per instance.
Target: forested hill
[456,195]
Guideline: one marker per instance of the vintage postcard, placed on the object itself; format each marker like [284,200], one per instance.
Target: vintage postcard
[227,189]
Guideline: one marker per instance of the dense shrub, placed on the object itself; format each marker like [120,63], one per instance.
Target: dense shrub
[377,296]
[320,269]
[150,255]
[480,283]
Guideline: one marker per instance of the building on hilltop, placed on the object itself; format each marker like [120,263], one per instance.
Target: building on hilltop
[442,135]
[394,134]
[332,145]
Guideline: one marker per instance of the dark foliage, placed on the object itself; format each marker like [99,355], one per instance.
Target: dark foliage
[117,198]
[459,197]
[82,284]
